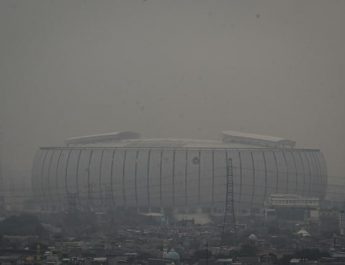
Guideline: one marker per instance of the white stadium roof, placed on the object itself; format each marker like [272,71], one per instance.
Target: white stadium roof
[230,139]
[105,137]
[256,139]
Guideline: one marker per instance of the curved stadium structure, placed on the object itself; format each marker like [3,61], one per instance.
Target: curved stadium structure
[102,172]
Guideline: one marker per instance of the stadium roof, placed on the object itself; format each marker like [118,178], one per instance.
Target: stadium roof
[256,139]
[105,137]
[231,139]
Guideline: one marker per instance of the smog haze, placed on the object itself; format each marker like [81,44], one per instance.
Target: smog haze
[188,69]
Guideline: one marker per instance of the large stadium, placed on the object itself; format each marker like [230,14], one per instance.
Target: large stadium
[107,171]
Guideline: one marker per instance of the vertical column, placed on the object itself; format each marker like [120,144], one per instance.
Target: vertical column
[324,174]
[73,174]
[287,171]
[318,168]
[265,172]
[136,177]
[41,179]
[277,170]
[220,179]
[186,180]
[89,197]
[160,179]
[253,190]
[67,194]
[44,178]
[241,176]
[66,172]
[148,179]
[111,178]
[48,179]
[34,174]
[100,190]
[199,173]
[56,178]
[123,178]
[303,172]
[77,177]
[173,178]
[118,174]
[212,178]
[296,172]
[309,173]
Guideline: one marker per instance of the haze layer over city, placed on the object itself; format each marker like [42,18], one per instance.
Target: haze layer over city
[160,132]
[172,69]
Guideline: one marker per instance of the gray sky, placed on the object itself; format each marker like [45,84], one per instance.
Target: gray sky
[172,68]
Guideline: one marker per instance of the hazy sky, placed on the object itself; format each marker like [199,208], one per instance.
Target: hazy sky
[172,69]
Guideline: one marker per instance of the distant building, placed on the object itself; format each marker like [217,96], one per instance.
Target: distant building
[293,207]
[121,169]
[293,201]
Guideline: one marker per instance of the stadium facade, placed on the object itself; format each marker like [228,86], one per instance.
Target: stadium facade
[103,172]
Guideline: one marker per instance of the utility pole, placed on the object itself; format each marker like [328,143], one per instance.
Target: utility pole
[229,223]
